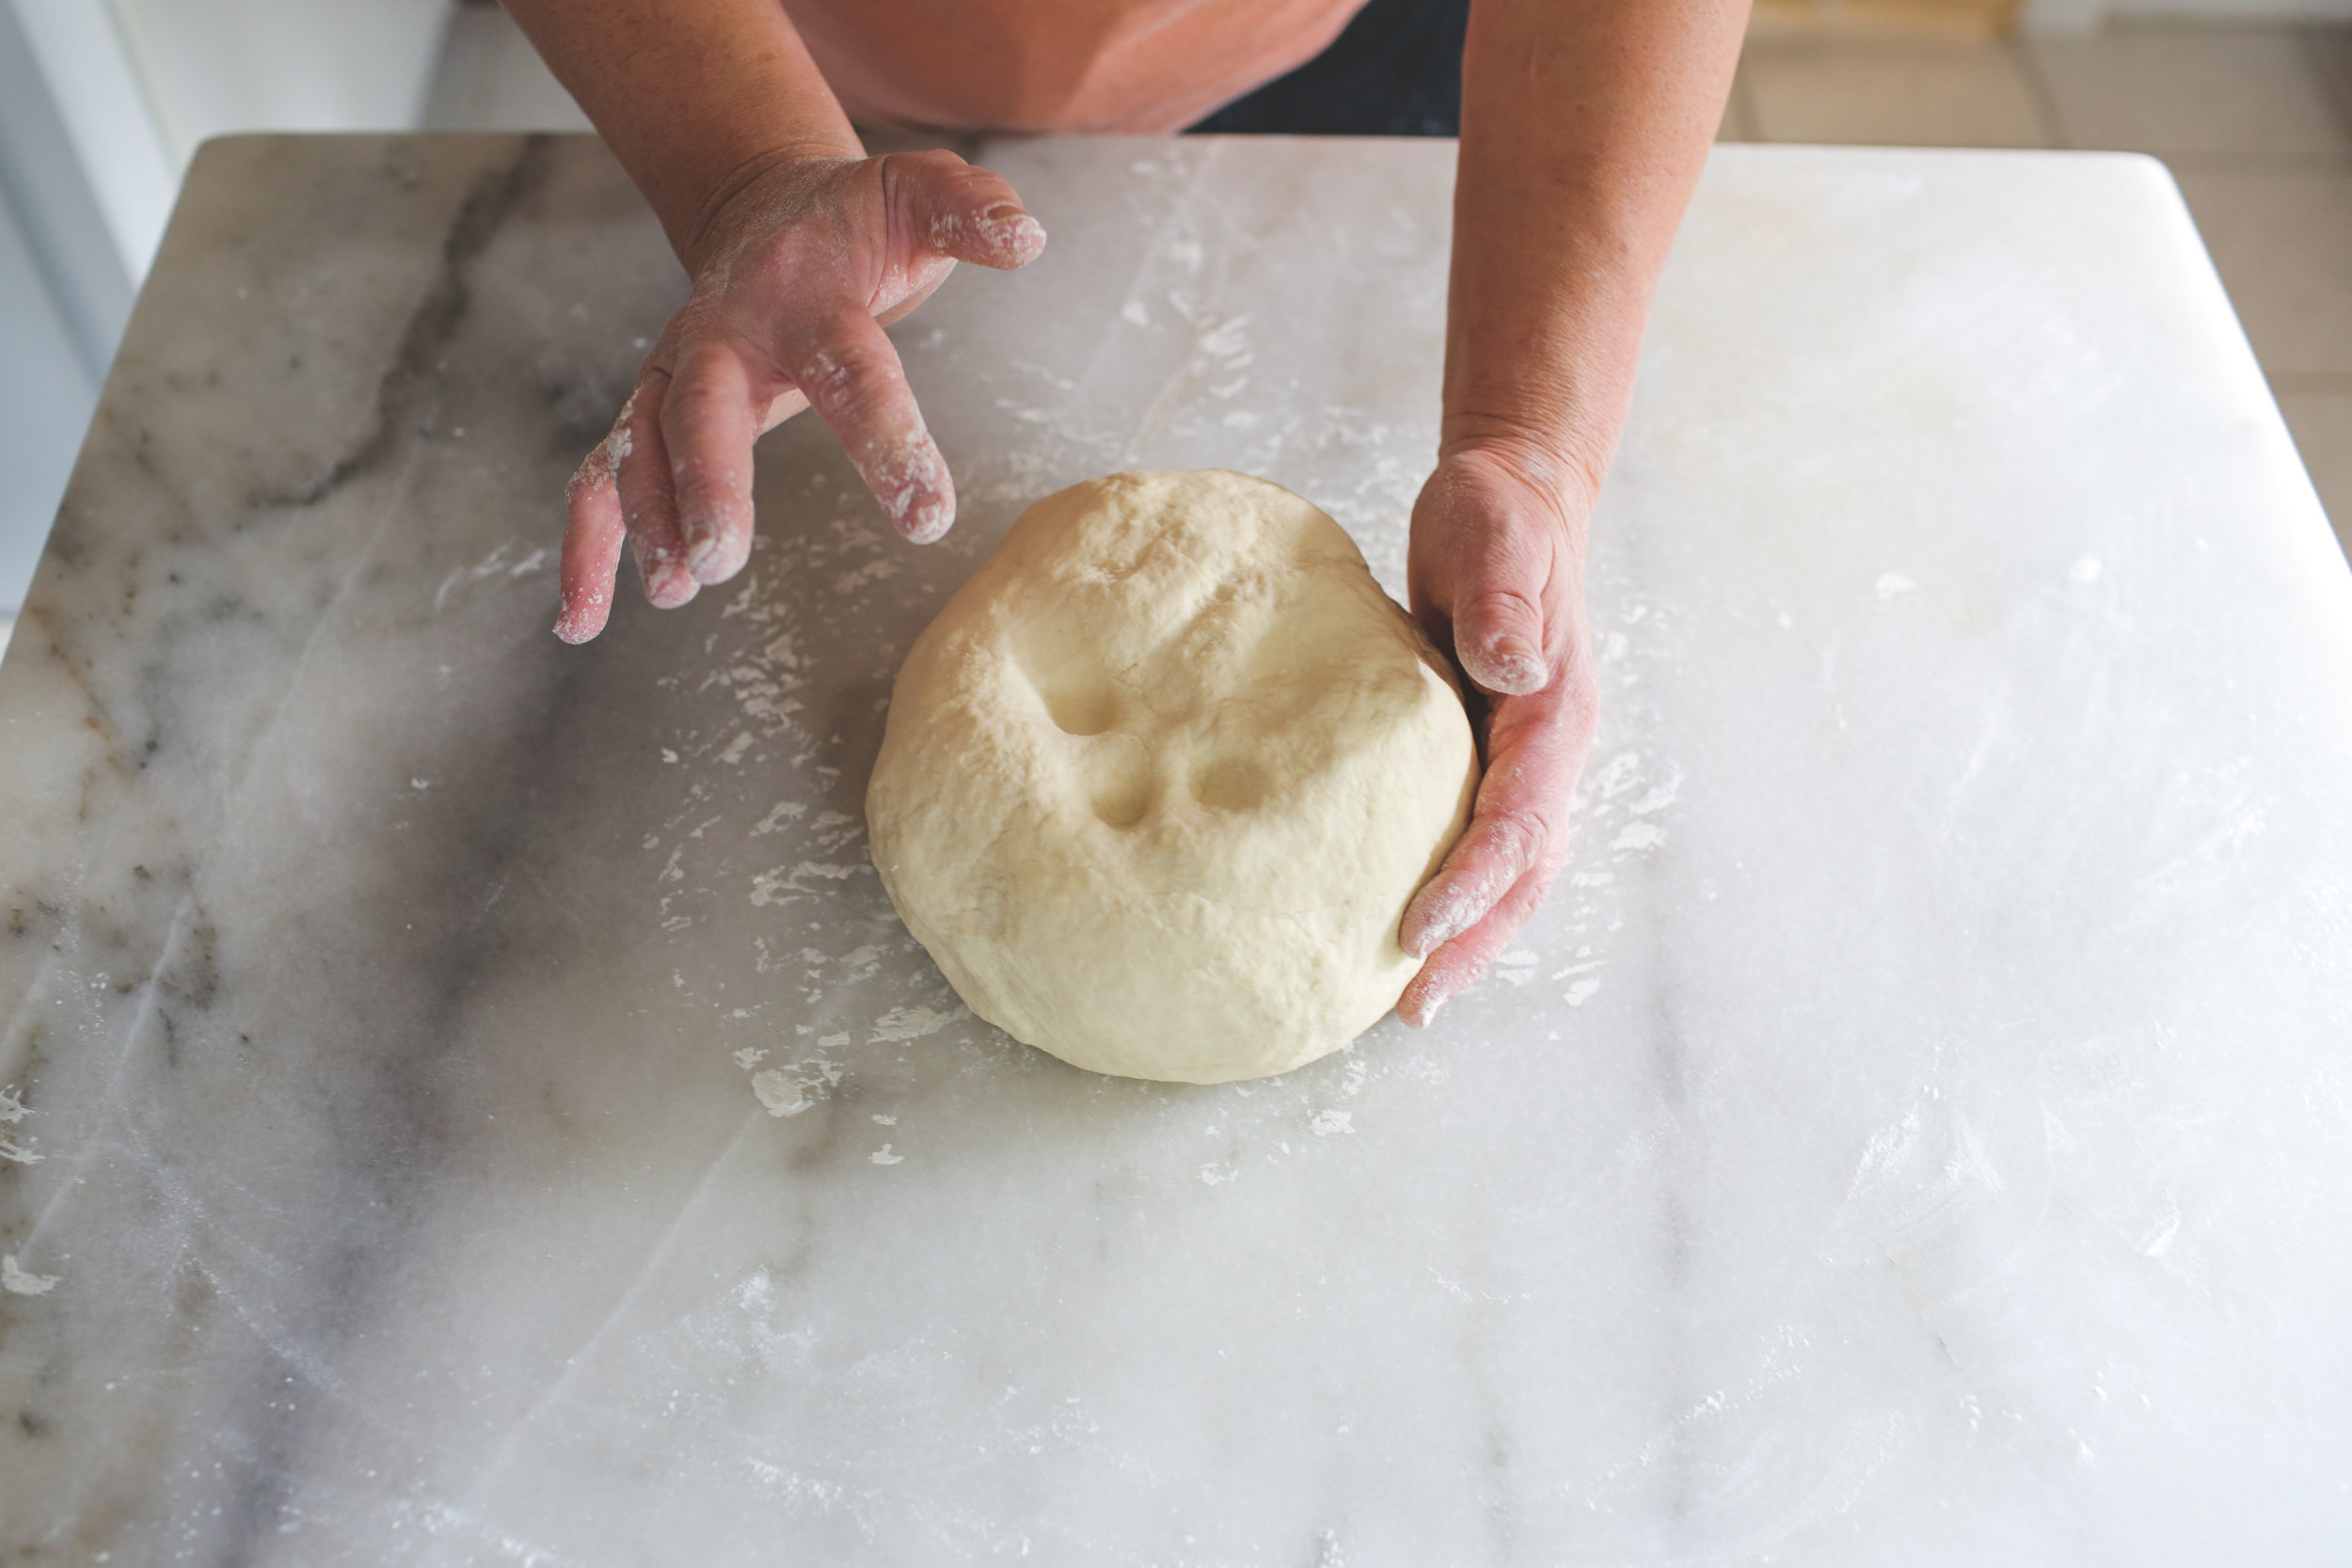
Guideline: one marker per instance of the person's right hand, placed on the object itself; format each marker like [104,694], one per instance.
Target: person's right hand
[795,277]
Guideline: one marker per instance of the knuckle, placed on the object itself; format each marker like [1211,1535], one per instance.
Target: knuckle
[694,405]
[1503,609]
[929,161]
[1580,702]
[848,376]
[1518,835]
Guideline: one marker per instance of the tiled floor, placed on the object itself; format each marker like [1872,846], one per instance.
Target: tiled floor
[2256,122]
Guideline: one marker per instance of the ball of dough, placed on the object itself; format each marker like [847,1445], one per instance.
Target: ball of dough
[1157,784]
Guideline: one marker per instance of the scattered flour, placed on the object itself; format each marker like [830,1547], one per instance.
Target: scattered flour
[786,1091]
[17,1280]
[909,1024]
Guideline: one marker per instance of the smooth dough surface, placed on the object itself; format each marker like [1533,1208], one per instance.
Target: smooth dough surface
[1157,784]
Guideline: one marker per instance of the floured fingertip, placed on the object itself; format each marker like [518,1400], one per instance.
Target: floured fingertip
[1014,236]
[714,555]
[1506,667]
[1003,236]
[581,617]
[928,523]
[676,588]
[910,479]
[1447,908]
[668,584]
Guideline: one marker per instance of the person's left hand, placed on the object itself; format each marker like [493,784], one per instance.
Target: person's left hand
[795,277]
[1496,574]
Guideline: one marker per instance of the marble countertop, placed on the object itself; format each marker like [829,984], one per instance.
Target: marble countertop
[468,1100]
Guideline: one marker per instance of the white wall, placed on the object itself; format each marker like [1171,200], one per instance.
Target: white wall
[45,402]
[217,66]
[78,115]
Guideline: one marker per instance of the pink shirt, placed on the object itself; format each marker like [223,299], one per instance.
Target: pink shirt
[1137,66]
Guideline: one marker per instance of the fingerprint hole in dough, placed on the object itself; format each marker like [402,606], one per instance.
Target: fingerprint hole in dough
[1124,796]
[1081,703]
[1229,784]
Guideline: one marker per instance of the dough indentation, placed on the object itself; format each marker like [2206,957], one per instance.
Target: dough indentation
[1082,701]
[1230,783]
[1123,785]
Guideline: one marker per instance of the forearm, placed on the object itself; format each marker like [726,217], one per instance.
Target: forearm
[693,99]
[1585,126]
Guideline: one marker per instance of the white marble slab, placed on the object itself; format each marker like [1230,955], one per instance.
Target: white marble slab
[478,1107]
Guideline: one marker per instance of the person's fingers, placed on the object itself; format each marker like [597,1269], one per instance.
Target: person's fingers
[592,534]
[710,415]
[647,503]
[1455,966]
[1494,576]
[961,211]
[852,378]
[1504,862]
[1501,844]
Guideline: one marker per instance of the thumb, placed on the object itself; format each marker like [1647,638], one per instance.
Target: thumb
[1498,638]
[966,213]
[1485,570]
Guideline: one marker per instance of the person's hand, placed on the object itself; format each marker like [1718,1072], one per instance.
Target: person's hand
[795,277]
[1497,577]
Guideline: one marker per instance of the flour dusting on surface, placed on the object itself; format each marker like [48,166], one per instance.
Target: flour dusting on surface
[788,1090]
[909,1024]
[16,1279]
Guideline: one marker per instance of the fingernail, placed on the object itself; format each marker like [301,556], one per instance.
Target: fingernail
[703,558]
[1513,650]
[1517,669]
[677,586]
[1430,1005]
[668,584]
[1009,228]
